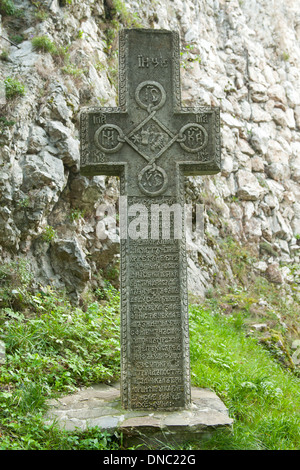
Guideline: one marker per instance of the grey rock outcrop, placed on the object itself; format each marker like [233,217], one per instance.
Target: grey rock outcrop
[241,56]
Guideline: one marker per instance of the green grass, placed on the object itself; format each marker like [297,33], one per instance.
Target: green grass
[58,53]
[263,398]
[43,44]
[54,347]
[7,7]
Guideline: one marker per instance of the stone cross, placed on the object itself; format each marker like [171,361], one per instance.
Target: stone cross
[151,142]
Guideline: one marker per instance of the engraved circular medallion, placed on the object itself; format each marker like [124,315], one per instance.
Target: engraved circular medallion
[150,95]
[109,138]
[193,137]
[152,180]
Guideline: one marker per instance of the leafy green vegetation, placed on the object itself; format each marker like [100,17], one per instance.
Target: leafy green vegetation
[117,16]
[54,347]
[130,20]
[241,347]
[49,234]
[71,69]
[285,56]
[4,55]
[4,124]
[17,38]
[261,396]
[40,11]
[7,7]
[13,88]
[44,44]
[188,56]
[59,54]
[257,300]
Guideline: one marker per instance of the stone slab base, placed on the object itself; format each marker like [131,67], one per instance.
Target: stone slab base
[100,406]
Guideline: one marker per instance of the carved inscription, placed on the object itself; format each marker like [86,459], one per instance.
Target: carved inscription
[144,61]
[155,322]
[202,118]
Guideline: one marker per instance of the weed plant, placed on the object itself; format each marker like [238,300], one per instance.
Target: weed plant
[44,44]
[7,7]
[13,88]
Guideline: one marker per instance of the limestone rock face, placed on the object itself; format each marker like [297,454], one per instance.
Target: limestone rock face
[241,56]
[69,262]
[249,188]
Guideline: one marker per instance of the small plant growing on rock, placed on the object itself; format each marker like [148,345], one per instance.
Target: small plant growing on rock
[7,7]
[59,53]
[76,214]
[71,69]
[17,38]
[49,234]
[40,13]
[13,88]
[285,56]
[4,55]
[4,125]
[43,44]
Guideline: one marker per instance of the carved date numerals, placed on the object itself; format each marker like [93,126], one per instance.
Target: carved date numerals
[151,62]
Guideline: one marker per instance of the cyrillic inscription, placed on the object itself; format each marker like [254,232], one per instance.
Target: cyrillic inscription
[155,318]
[144,61]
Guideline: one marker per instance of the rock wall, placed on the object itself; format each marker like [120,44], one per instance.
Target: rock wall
[242,55]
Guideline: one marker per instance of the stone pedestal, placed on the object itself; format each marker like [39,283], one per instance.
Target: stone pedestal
[100,405]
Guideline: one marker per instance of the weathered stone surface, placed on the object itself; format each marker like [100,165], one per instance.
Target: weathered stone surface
[145,156]
[276,92]
[37,139]
[273,274]
[278,171]
[227,166]
[59,107]
[100,406]
[249,188]
[68,260]
[295,168]
[57,131]
[253,230]
[280,227]
[42,170]
[260,140]
[68,147]
[257,164]
[276,153]
[24,54]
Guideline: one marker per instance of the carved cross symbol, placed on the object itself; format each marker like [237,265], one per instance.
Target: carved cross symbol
[151,142]
[188,139]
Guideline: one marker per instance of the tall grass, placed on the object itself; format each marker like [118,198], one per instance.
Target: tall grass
[261,396]
[53,348]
